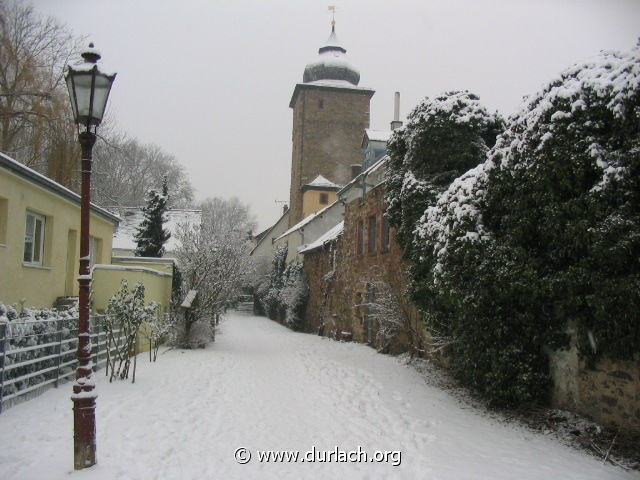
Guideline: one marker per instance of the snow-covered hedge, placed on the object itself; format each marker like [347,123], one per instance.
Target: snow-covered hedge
[564,185]
[31,328]
[545,231]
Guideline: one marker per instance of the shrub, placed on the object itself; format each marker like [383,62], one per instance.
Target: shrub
[545,232]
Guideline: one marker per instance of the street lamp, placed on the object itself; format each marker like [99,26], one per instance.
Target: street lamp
[88,90]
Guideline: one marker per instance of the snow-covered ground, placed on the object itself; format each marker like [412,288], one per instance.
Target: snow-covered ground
[263,387]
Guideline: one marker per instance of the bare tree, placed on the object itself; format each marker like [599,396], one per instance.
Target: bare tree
[214,262]
[227,215]
[126,169]
[35,119]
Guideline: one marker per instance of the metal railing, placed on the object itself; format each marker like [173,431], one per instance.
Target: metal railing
[38,354]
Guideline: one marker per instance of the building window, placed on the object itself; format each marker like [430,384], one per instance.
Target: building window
[386,235]
[373,233]
[324,199]
[360,237]
[34,239]
[321,104]
[95,247]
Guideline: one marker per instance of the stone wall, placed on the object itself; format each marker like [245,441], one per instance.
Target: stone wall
[609,393]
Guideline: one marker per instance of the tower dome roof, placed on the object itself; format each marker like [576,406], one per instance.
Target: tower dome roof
[332,64]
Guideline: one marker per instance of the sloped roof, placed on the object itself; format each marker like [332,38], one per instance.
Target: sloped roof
[305,220]
[320,181]
[378,135]
[133,216]
[45,182]
[264,235]
[330,235]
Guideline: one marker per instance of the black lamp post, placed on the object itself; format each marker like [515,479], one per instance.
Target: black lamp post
[88,89]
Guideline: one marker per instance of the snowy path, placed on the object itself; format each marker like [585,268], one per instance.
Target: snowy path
[263,387]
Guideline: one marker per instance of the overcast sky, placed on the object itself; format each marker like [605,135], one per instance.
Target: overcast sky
[210,80]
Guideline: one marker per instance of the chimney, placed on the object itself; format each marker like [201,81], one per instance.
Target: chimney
[396,113]
[355,170]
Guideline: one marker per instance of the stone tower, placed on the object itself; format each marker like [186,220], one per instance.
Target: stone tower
[330,115]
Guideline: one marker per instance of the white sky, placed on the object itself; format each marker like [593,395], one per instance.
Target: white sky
[210,80]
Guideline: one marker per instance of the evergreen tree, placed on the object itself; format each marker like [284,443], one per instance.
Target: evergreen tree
[151,235]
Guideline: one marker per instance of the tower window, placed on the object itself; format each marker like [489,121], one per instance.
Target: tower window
[324,198]
[321,103]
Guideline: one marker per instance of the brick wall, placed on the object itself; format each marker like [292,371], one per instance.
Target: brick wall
[344,275]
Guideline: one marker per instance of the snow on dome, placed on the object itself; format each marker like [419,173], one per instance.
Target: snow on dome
[332,43]
[332,64]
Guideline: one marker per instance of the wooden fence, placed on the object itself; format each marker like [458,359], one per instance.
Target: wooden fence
[38,354]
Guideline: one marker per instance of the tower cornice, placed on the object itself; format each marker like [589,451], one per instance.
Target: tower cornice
[329,85]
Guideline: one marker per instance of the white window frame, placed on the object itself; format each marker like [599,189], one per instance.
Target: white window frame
[37,244]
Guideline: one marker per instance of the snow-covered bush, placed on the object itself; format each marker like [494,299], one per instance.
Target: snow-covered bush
[36,327]
[158,330]
[126,312]
[547,230]
[285,298]
[270,296]
[443,138]
[564,186]
[294,295]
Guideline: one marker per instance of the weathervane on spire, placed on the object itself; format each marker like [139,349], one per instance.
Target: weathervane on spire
[332,9]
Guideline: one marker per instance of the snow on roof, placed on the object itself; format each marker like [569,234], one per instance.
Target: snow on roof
[44,181]
[124,237]
[378,135]
[306,220]
[327,82]
[330,235]
[320,181]
[188,299]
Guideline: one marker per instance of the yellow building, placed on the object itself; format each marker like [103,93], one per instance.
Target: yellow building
[40,245]
[155,273]
[317,195]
